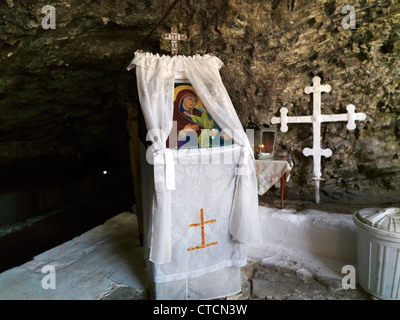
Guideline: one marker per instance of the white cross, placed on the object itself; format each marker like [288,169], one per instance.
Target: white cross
[316,119]
[174,37]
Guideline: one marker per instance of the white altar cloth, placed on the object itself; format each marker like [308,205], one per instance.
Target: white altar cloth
[205,258]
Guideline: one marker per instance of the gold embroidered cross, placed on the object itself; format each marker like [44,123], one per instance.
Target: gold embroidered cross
[201,224]
[174,37]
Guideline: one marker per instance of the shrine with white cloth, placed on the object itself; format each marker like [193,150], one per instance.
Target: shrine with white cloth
[200,205]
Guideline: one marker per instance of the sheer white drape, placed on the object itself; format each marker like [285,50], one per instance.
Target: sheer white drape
[155,79]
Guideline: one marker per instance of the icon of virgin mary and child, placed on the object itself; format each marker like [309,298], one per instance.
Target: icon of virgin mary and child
[194,121]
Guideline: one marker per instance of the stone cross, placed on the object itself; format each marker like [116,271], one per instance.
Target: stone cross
[316,119]
[174,37]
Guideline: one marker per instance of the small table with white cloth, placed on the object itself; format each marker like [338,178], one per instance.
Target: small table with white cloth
[269,172]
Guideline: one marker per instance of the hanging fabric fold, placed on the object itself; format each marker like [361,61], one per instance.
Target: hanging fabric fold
[164,170]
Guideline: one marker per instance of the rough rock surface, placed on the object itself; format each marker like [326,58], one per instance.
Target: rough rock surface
[270,282]
[64,92]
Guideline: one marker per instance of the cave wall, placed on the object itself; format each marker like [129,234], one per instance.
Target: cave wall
[65,92]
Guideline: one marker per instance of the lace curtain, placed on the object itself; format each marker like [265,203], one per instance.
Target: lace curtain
[155,78]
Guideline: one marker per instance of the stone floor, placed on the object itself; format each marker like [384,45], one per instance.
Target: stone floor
[266,282]
[106,263]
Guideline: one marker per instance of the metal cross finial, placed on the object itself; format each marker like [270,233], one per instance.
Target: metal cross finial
[174,37]
[316,119]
